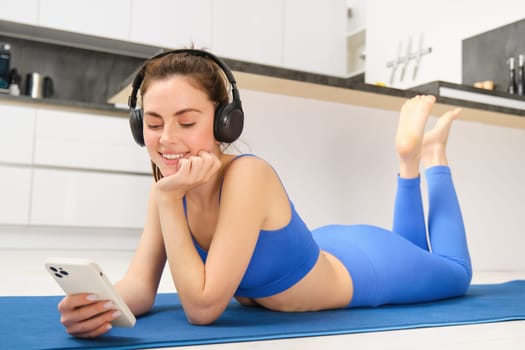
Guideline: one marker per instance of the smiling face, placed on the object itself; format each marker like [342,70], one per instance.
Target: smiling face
[178,122]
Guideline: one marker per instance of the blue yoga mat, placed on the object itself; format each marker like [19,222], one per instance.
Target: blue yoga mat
[33,322]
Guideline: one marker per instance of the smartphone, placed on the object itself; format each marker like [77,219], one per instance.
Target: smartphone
[84,276]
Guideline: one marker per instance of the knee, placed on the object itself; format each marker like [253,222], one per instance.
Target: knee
[464,279]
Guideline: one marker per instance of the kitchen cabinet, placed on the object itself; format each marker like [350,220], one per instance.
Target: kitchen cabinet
[109,19]
[314,36]
[15,190]
[21,11]
[16,134]
[171,24]
[80,140]
[85,198]
[70,168]
[249,30]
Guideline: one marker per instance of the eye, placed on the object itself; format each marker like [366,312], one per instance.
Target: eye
[187,125]
[153,126]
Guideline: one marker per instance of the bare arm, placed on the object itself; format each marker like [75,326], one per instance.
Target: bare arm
[85,317]
[139,285]
[206,289]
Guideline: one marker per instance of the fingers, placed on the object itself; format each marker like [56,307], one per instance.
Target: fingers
[84,316]
[94,326]
[193,171]
[210,164]
[200,168]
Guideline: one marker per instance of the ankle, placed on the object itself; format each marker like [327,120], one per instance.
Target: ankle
[433,157]
[408,169]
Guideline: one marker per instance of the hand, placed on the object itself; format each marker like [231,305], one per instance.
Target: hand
[84,316]
[193,171]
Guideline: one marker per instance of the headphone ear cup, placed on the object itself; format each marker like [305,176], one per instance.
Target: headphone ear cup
[137,126]
[228,122]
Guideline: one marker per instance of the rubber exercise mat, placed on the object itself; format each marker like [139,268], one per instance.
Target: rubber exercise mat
[33,322]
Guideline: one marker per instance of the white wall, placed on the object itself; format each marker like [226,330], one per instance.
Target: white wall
[339,166]
[444,25]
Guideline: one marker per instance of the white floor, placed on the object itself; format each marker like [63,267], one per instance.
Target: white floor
[22,273]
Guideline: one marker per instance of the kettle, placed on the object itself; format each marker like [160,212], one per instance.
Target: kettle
[38,86]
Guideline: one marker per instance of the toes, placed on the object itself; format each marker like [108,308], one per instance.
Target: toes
[430,98]
[450,116]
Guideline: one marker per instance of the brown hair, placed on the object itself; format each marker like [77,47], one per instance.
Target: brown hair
[202,72]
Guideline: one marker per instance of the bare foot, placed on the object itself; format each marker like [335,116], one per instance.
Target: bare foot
[435,141]
[409,138]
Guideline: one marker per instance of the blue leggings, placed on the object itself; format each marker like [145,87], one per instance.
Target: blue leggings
[398,267]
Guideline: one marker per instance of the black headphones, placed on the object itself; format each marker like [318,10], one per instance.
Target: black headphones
[228,120]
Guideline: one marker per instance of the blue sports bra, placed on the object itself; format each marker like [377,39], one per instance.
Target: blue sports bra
[281,258]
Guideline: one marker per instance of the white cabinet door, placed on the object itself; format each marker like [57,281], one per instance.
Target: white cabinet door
[76,198]
[249,30]
[15,193]
[171,24]
[17,125]
[22,11]
[109,19]
[87,141]
[315,36]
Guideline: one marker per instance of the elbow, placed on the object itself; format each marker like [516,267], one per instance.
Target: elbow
[201,318]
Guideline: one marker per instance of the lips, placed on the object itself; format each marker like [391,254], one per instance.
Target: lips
[171,159]
[172,156]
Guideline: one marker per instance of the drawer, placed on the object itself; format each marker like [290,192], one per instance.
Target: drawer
[16,134]
[15,190]
[79,140]
[83,198]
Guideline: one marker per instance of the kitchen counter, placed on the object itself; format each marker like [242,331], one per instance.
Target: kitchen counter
[487,106]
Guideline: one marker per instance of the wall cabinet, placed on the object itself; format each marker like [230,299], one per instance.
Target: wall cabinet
[15,193]
[85,198]
[171,24]
[72,139]
[109,19]
[21,11]
[16,134]
[249,30]
[314,36]
[296,34]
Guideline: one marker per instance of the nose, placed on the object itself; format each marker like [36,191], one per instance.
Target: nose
[169,135]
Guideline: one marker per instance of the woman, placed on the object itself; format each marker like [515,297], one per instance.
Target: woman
[227,228]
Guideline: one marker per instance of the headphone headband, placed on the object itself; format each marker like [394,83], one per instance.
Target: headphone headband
[139,78]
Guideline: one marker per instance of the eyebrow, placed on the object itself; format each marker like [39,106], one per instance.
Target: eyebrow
[179,112]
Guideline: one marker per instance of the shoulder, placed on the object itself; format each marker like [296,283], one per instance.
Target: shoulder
[252,187]
[249,167]
[250,174]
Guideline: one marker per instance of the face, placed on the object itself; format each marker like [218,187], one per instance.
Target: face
[178,122]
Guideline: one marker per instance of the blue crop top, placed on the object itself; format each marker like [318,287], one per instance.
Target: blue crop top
[281,259]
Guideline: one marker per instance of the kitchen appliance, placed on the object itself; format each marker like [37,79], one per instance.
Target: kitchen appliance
[15,82]
[5,61]
[38,86]
[512,76]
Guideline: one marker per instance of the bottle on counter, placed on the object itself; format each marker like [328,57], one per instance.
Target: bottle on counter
[521,75]
[512,89]
[15,81]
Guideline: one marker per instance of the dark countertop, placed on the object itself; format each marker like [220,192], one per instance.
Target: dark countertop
[98,108]
[255,71]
